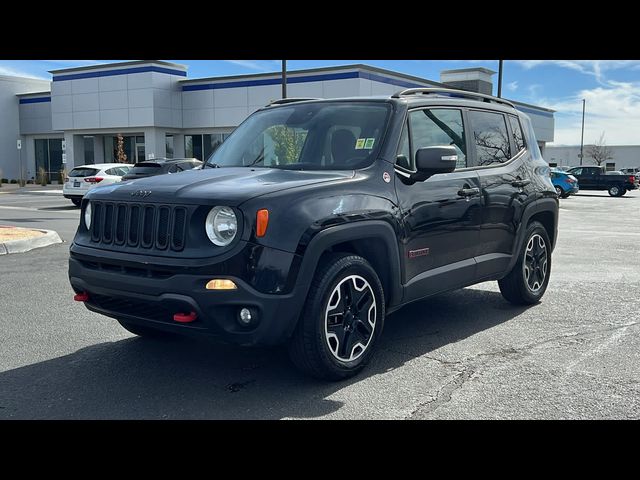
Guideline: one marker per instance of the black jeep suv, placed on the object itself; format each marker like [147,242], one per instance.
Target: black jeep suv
[317,218]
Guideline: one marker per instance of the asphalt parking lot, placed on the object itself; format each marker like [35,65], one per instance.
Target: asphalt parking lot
[462,355]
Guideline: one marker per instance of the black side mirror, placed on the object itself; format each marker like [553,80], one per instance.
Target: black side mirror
[433,160]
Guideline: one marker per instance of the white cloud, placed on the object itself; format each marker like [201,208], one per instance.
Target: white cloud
[614,110]
[251,64]
[19,73]
[512,86]
[595,68]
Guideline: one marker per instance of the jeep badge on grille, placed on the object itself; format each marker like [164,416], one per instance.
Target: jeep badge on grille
[141,193]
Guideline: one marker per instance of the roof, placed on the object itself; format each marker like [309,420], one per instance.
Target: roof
[117,64]
[355,66]
[467,70]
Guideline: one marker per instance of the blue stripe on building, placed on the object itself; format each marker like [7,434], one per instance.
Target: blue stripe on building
[35,100]
[122,71]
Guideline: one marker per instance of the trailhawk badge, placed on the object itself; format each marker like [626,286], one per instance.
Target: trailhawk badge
[386,177]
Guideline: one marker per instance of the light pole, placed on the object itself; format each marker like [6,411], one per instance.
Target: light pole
[284,79]
[499,78]
[582,136]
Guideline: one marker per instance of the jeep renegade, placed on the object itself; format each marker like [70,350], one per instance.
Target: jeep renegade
[317,218]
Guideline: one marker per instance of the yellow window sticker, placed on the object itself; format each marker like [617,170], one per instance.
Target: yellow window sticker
[368,144]
[360,143]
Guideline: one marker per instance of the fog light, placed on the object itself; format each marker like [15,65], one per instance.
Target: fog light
[245,316]
[220,284]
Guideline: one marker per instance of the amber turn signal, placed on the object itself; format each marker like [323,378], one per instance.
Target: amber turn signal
[220,284]
[262,222]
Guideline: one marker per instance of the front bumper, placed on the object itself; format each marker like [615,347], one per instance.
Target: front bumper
[152,301]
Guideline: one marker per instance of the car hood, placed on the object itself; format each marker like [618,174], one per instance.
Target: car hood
[231,186]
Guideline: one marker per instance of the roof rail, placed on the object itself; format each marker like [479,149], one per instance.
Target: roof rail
[284,101]
[452,92]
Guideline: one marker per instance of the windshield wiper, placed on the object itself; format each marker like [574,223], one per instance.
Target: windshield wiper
[211,165]
[258,159]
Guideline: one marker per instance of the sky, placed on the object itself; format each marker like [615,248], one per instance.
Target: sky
[611,88]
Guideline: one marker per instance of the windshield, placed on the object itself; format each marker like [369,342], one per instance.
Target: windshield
[312,136]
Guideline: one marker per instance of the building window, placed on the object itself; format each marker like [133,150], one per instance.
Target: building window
[49,157]
[168,140]
[610,167]
[89,158]
[202,146]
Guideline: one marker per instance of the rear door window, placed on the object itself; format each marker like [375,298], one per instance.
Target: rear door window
[490,137]
[83,172]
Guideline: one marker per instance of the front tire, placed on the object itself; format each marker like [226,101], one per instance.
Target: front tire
[341,321]
[527,281]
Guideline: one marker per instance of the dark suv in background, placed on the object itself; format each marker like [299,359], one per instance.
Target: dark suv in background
[160,166]
[317,218]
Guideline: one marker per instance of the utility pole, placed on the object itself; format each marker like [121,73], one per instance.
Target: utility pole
[500,78]
[284,79]
[582,136]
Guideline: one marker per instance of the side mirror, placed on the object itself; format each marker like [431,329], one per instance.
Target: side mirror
[433,160]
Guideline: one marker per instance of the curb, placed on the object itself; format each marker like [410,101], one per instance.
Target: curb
[24,245]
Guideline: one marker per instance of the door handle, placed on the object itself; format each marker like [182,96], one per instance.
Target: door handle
[520,183]
[469,192]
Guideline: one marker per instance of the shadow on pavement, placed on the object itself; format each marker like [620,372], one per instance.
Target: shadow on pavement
[627,195]
[191,379]
[64,208]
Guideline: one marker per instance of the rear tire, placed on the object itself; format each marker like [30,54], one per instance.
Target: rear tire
[144,331]
[341,321]
[76,201]
[616,190]
[527,281]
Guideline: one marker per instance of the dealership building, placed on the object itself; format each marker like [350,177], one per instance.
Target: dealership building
[75,118]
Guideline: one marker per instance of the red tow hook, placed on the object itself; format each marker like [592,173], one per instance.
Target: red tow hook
[185,317]
[81,297]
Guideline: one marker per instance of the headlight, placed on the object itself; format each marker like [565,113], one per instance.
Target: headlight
[221,226]
[87,215]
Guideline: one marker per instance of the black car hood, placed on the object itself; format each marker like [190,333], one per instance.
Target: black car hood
[232,186]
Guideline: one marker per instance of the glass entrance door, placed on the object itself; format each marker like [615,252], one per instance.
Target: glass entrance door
[140,154]
[49,157]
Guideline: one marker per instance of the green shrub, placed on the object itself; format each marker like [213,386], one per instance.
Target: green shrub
[5,180]
[13,180]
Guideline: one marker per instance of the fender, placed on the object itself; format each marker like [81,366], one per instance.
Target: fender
[360,230]
[547,204]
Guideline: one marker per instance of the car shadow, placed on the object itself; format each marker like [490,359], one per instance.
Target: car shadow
[626,195]
[138,378]
[65,208]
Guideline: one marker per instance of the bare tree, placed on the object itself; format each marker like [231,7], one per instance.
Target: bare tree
[599,152]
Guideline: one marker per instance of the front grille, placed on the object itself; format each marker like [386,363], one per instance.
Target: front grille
[140,226]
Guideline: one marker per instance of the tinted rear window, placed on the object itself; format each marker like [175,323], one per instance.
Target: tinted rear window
[146,168]
[83,172]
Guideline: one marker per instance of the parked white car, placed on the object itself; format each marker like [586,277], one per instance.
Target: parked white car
[83,178]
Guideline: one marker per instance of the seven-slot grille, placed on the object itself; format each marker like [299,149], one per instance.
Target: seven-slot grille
[140,225]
